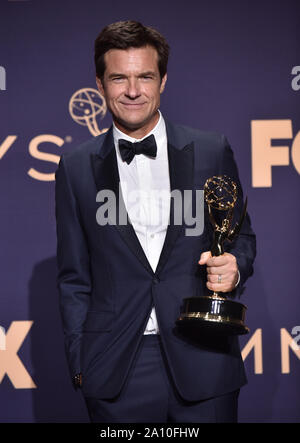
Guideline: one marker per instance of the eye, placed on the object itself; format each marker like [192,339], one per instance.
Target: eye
[146,78]
[117,79]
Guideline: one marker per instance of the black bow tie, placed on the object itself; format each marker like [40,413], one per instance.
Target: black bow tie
[128,150]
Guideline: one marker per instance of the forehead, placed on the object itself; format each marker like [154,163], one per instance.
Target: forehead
[131,60]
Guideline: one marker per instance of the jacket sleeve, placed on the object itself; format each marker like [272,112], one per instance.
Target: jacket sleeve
[73,277]
[243,247]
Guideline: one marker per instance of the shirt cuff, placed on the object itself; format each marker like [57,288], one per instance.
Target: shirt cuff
[239,277]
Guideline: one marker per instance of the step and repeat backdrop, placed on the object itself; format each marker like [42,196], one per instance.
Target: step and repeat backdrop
[235,69]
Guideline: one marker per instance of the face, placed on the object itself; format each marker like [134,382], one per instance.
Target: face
[132,87]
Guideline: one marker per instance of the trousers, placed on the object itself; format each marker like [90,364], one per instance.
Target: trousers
[150,396]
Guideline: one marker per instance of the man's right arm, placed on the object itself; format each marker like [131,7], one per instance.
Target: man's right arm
[73,279]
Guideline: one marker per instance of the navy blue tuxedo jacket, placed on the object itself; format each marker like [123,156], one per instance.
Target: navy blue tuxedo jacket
[107,286]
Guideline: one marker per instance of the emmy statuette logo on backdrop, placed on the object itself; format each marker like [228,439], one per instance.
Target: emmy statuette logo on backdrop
[85,105]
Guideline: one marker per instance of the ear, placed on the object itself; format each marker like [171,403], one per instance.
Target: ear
[100,85]
[163,83]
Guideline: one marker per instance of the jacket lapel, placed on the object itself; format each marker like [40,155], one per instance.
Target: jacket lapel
[181,170]
[106,176]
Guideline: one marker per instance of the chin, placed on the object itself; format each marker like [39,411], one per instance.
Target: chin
[132,124]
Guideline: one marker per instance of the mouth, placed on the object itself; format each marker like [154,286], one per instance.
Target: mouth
[132,105]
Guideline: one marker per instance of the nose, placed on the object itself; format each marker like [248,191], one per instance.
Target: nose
[133,90]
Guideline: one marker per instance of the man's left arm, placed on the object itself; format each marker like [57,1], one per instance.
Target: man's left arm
[229,272]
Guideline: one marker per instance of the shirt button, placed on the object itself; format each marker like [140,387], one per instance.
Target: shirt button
[152,235]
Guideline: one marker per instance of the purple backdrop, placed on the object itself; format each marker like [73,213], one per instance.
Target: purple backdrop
[231,63]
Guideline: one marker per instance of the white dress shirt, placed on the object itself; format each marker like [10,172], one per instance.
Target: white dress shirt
[145,185]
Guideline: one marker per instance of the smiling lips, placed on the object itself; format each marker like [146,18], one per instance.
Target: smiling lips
[135,105]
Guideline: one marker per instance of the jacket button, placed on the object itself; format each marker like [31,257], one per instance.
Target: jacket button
[155,280]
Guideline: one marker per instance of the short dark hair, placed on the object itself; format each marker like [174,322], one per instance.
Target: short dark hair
[129,34]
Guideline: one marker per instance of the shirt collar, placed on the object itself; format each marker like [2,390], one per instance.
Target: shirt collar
[159,131]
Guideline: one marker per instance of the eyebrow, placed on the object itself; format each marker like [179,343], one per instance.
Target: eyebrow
[148,73]
[116,74]
[142,74]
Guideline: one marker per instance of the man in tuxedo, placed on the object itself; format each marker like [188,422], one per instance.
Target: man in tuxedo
[122,285]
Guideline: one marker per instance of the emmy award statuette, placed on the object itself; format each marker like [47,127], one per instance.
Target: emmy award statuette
[215,313]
